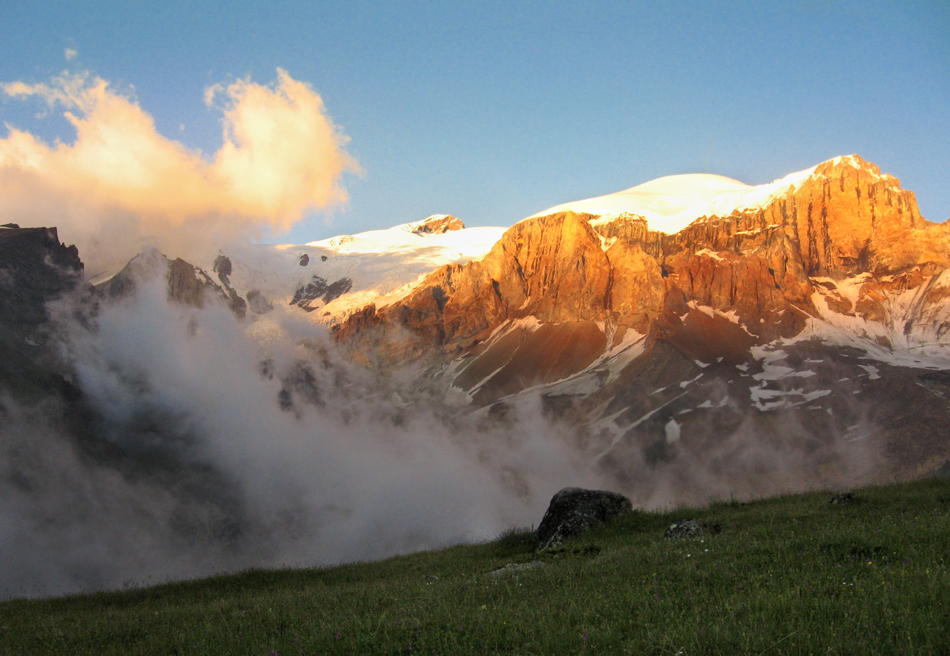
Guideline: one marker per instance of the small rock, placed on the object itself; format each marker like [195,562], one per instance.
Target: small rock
[688,528]
[515,567]
[842,498]
[258,302]
[304,260]
[222,266]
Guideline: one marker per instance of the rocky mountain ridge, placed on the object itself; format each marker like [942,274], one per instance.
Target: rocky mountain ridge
[763,267]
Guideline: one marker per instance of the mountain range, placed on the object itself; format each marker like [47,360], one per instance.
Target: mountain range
[689,338]
[694,318]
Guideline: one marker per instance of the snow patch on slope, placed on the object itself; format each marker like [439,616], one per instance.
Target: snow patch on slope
[912,332]
[383,265]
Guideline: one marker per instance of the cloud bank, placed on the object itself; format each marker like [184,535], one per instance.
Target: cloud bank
[120,185]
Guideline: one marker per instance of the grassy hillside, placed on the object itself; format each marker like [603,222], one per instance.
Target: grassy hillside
[791,575]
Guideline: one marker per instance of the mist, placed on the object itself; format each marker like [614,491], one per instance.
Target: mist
[250,444]
[214,444]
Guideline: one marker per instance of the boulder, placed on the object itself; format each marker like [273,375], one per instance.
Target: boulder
[574,511]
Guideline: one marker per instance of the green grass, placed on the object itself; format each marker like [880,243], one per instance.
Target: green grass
[790,575]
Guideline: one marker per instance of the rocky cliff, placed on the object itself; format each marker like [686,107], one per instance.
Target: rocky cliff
[36,272]
[34,268]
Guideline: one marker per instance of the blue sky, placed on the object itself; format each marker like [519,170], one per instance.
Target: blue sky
[492,111]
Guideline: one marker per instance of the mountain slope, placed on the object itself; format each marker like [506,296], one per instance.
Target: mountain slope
[808,576]
[34,268]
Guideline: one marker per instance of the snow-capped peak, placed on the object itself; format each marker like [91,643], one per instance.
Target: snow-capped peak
[671,203]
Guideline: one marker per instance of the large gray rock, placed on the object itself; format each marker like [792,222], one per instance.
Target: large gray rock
[574,511]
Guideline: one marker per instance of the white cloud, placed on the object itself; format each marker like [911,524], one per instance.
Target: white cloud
[71,54]
[121,184]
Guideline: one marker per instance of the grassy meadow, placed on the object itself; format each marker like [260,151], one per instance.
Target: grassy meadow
[789,575]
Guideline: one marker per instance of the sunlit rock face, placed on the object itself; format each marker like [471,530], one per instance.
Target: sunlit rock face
[761,266]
